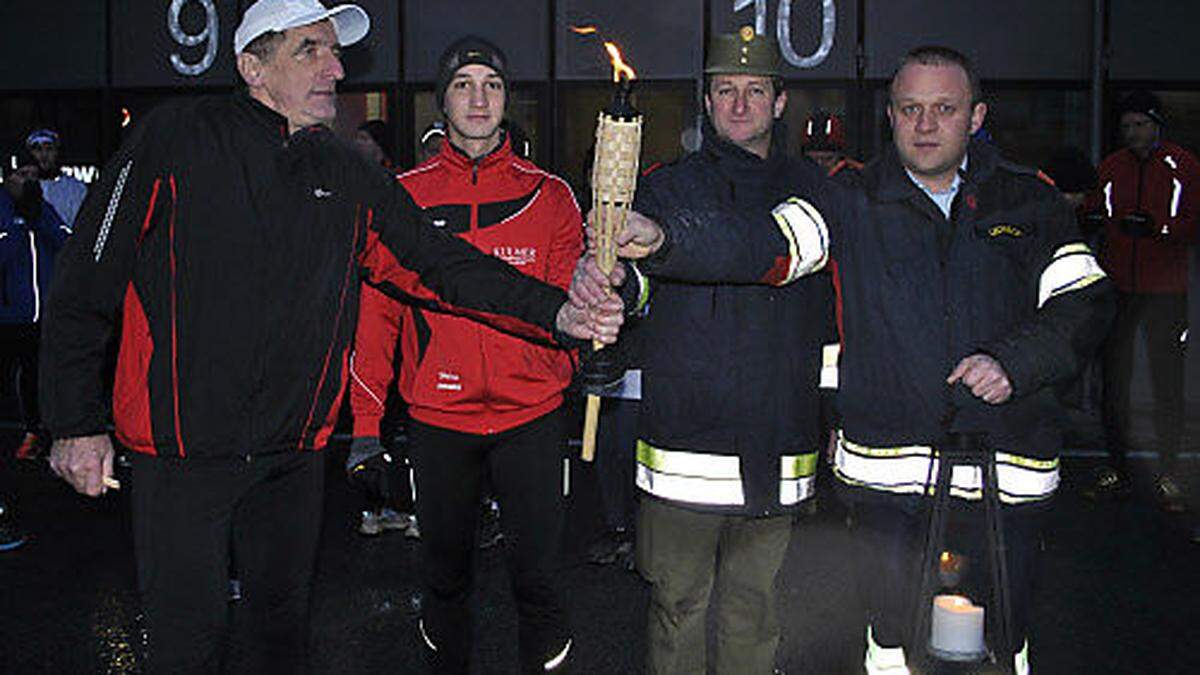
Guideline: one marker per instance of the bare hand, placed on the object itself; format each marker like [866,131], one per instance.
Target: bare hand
[600,322]
[590,287]
[84,462]
[984,376]
[639,238]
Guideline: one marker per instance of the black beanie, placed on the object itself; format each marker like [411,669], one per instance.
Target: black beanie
[465,51]
[381,133]
[1142,101]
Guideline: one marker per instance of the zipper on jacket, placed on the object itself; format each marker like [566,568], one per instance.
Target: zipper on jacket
[475,171]
[1133,254]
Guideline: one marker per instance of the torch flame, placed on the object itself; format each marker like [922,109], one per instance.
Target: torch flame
[584,30]
[618,64]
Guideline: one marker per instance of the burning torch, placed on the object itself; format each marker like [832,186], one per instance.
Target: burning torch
[614,179]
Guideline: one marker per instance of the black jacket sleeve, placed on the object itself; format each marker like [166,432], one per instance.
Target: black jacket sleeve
[1076,307]
[454,271]
[91,275]
[725,245]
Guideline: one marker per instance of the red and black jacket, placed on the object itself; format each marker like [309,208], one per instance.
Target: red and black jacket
[1166,186]
[233,252]
[456,372]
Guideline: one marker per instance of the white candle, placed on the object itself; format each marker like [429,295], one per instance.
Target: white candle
[957,628]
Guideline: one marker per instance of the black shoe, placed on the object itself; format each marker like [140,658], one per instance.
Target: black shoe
[612,546]
[1170,495]
[1109,484]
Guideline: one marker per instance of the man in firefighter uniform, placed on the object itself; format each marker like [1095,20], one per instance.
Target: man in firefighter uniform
[481,401]
[729,427]
[1148,194]
[965,296]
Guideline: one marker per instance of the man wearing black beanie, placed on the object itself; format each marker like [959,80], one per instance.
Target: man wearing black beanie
[1149,194]
[481,402]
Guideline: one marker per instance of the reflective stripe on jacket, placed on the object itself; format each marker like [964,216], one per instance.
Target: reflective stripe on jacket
[913,470]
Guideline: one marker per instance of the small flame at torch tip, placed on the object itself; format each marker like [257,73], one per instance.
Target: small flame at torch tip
[584,30]
[619,65]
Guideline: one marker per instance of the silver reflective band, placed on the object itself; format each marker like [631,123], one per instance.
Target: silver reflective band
[807,236]
[905,470]
[37,294]
[883,660]
[830,354]
[700,478]
[557,660]
[797,477]
[1072,267]
[111,212]
[1021,661]
[425,636]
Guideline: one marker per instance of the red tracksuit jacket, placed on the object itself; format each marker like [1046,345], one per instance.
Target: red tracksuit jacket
[1167,187]
[457,373]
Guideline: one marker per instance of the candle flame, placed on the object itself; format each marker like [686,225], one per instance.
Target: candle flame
[618,63]
[584,30]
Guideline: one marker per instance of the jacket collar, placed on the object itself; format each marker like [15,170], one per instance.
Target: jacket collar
[887,180]
[272,124]
[262,117]
[739,160]
[455,157]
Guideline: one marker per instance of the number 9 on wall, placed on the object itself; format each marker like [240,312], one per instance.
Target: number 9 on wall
[210,35]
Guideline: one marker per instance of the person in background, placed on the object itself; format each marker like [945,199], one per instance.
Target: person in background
[430,143]
[1149,195]
[63,192]
[823,140]
[380,469]
[374,139]
[31,234]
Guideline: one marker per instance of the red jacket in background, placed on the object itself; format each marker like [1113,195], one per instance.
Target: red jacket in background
[456,372]
[1167,187]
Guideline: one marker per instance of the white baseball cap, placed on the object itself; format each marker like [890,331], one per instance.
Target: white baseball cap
[350,22]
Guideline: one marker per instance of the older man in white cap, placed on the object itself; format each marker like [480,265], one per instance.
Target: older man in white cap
[230,233]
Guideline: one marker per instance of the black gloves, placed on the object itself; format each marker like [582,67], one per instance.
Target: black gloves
[600,369]
[1138,224]
[29,204]
[368,467]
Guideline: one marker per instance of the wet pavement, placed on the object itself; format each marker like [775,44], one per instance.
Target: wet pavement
[1117,587]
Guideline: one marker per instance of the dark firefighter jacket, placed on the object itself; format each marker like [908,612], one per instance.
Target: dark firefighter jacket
[730,414]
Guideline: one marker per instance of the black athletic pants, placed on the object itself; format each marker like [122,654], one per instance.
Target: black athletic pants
[19,359]
[189,517]
[1163,318]
[526,470]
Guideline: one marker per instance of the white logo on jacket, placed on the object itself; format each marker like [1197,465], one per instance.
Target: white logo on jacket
[516,255]
[448,381]
[321,193]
